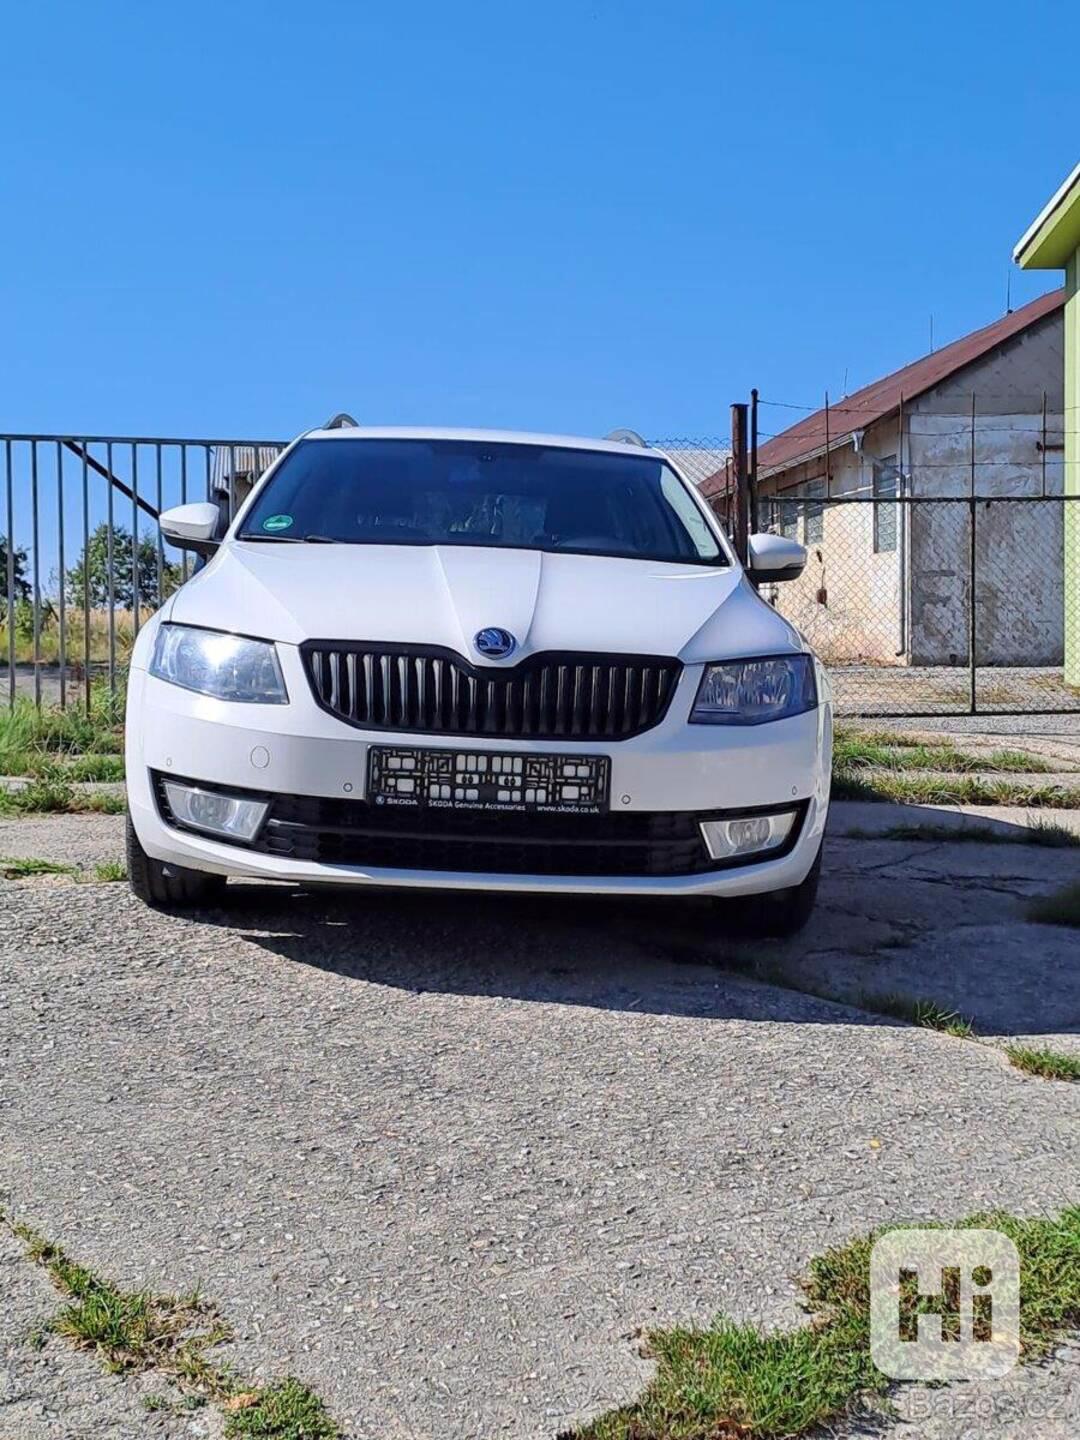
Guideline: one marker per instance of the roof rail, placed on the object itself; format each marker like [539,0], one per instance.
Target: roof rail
[341,421]
[628,437]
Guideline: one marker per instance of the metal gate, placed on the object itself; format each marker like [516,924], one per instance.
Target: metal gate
[938,605]
[82,563]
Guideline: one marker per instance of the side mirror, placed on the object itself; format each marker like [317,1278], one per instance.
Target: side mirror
[192,527]
[775,557]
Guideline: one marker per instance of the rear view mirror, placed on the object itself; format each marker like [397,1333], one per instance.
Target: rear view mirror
[192,527]
[775,557]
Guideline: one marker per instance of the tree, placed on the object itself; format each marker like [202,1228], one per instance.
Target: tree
[93,566]
[20,584]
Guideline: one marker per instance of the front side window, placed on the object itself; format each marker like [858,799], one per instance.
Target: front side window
[472,492]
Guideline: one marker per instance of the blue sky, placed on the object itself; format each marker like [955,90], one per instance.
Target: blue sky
[237,218]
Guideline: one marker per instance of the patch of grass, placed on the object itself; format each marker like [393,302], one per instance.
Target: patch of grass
[859,750]
[851,784]
[51,791]
[286,1411]
[20,867]
[1040,832]
[73,767]
[734,1382]
[25,729]
[927,1013]
[99,802]
[1061,908]
[1047,1064]
[110,871]
[137,1331]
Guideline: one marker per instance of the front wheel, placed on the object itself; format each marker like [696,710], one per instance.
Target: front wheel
[776,914]
[165,886]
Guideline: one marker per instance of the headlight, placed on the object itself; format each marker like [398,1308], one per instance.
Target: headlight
[225,666]
[750,692]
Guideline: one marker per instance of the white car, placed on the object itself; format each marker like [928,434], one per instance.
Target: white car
[478,660]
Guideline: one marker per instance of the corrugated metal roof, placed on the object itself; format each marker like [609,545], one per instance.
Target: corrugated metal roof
[242,460]
[873,402]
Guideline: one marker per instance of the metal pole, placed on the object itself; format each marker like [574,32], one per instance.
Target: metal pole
[63,576]
[828,461]
[110,579]
[160,549]
[973,696]
[86,575]
[1044,443]
[135,596]
[739,465]
[37,570]
[755,517]
[10,577]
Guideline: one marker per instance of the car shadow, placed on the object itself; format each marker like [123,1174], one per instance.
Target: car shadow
[645,955]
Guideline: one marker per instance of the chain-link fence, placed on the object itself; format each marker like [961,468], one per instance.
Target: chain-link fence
[938,605]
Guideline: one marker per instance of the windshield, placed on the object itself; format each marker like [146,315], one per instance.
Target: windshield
[470,492]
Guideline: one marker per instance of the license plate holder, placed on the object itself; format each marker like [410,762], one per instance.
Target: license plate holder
[414,778]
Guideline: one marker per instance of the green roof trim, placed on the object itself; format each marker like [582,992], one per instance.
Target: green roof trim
[1054,236]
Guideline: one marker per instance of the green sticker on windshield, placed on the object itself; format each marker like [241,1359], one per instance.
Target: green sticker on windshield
[277,522]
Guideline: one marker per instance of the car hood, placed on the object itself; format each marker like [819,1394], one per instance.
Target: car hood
[443,595]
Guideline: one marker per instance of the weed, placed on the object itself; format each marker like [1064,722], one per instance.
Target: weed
[53,793]
[731,1380]
[170,1335]
[926,1013]
[20,867]
[1061,908]
[851,784]
[286,1411]
[1047,1064]
[110,871]
[858,750]
[25,730]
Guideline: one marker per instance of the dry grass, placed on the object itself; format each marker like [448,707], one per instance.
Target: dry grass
[76,623]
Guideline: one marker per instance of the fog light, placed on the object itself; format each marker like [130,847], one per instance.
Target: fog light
[728,839]
[217,814]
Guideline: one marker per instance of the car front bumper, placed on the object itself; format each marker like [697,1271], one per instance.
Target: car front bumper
[298,750]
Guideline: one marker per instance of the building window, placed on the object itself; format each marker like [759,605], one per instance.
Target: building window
[787,511]
[886,486]
[814,513]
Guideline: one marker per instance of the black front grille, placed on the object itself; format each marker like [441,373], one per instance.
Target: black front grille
[546,697]
[351,832]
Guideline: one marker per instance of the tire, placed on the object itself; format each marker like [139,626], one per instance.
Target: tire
[776,914]
[168,887]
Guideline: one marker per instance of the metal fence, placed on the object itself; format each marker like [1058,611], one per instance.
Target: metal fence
[938,605]
[82,562]
[920,604]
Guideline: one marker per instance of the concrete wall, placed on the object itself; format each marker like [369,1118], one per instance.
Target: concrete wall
[1018,546]
[848,601]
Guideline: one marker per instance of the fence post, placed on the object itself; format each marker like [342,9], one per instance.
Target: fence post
[742,482]
[755,519]
[972,694]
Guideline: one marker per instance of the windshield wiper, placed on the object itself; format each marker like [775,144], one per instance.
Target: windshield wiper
[320,540]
